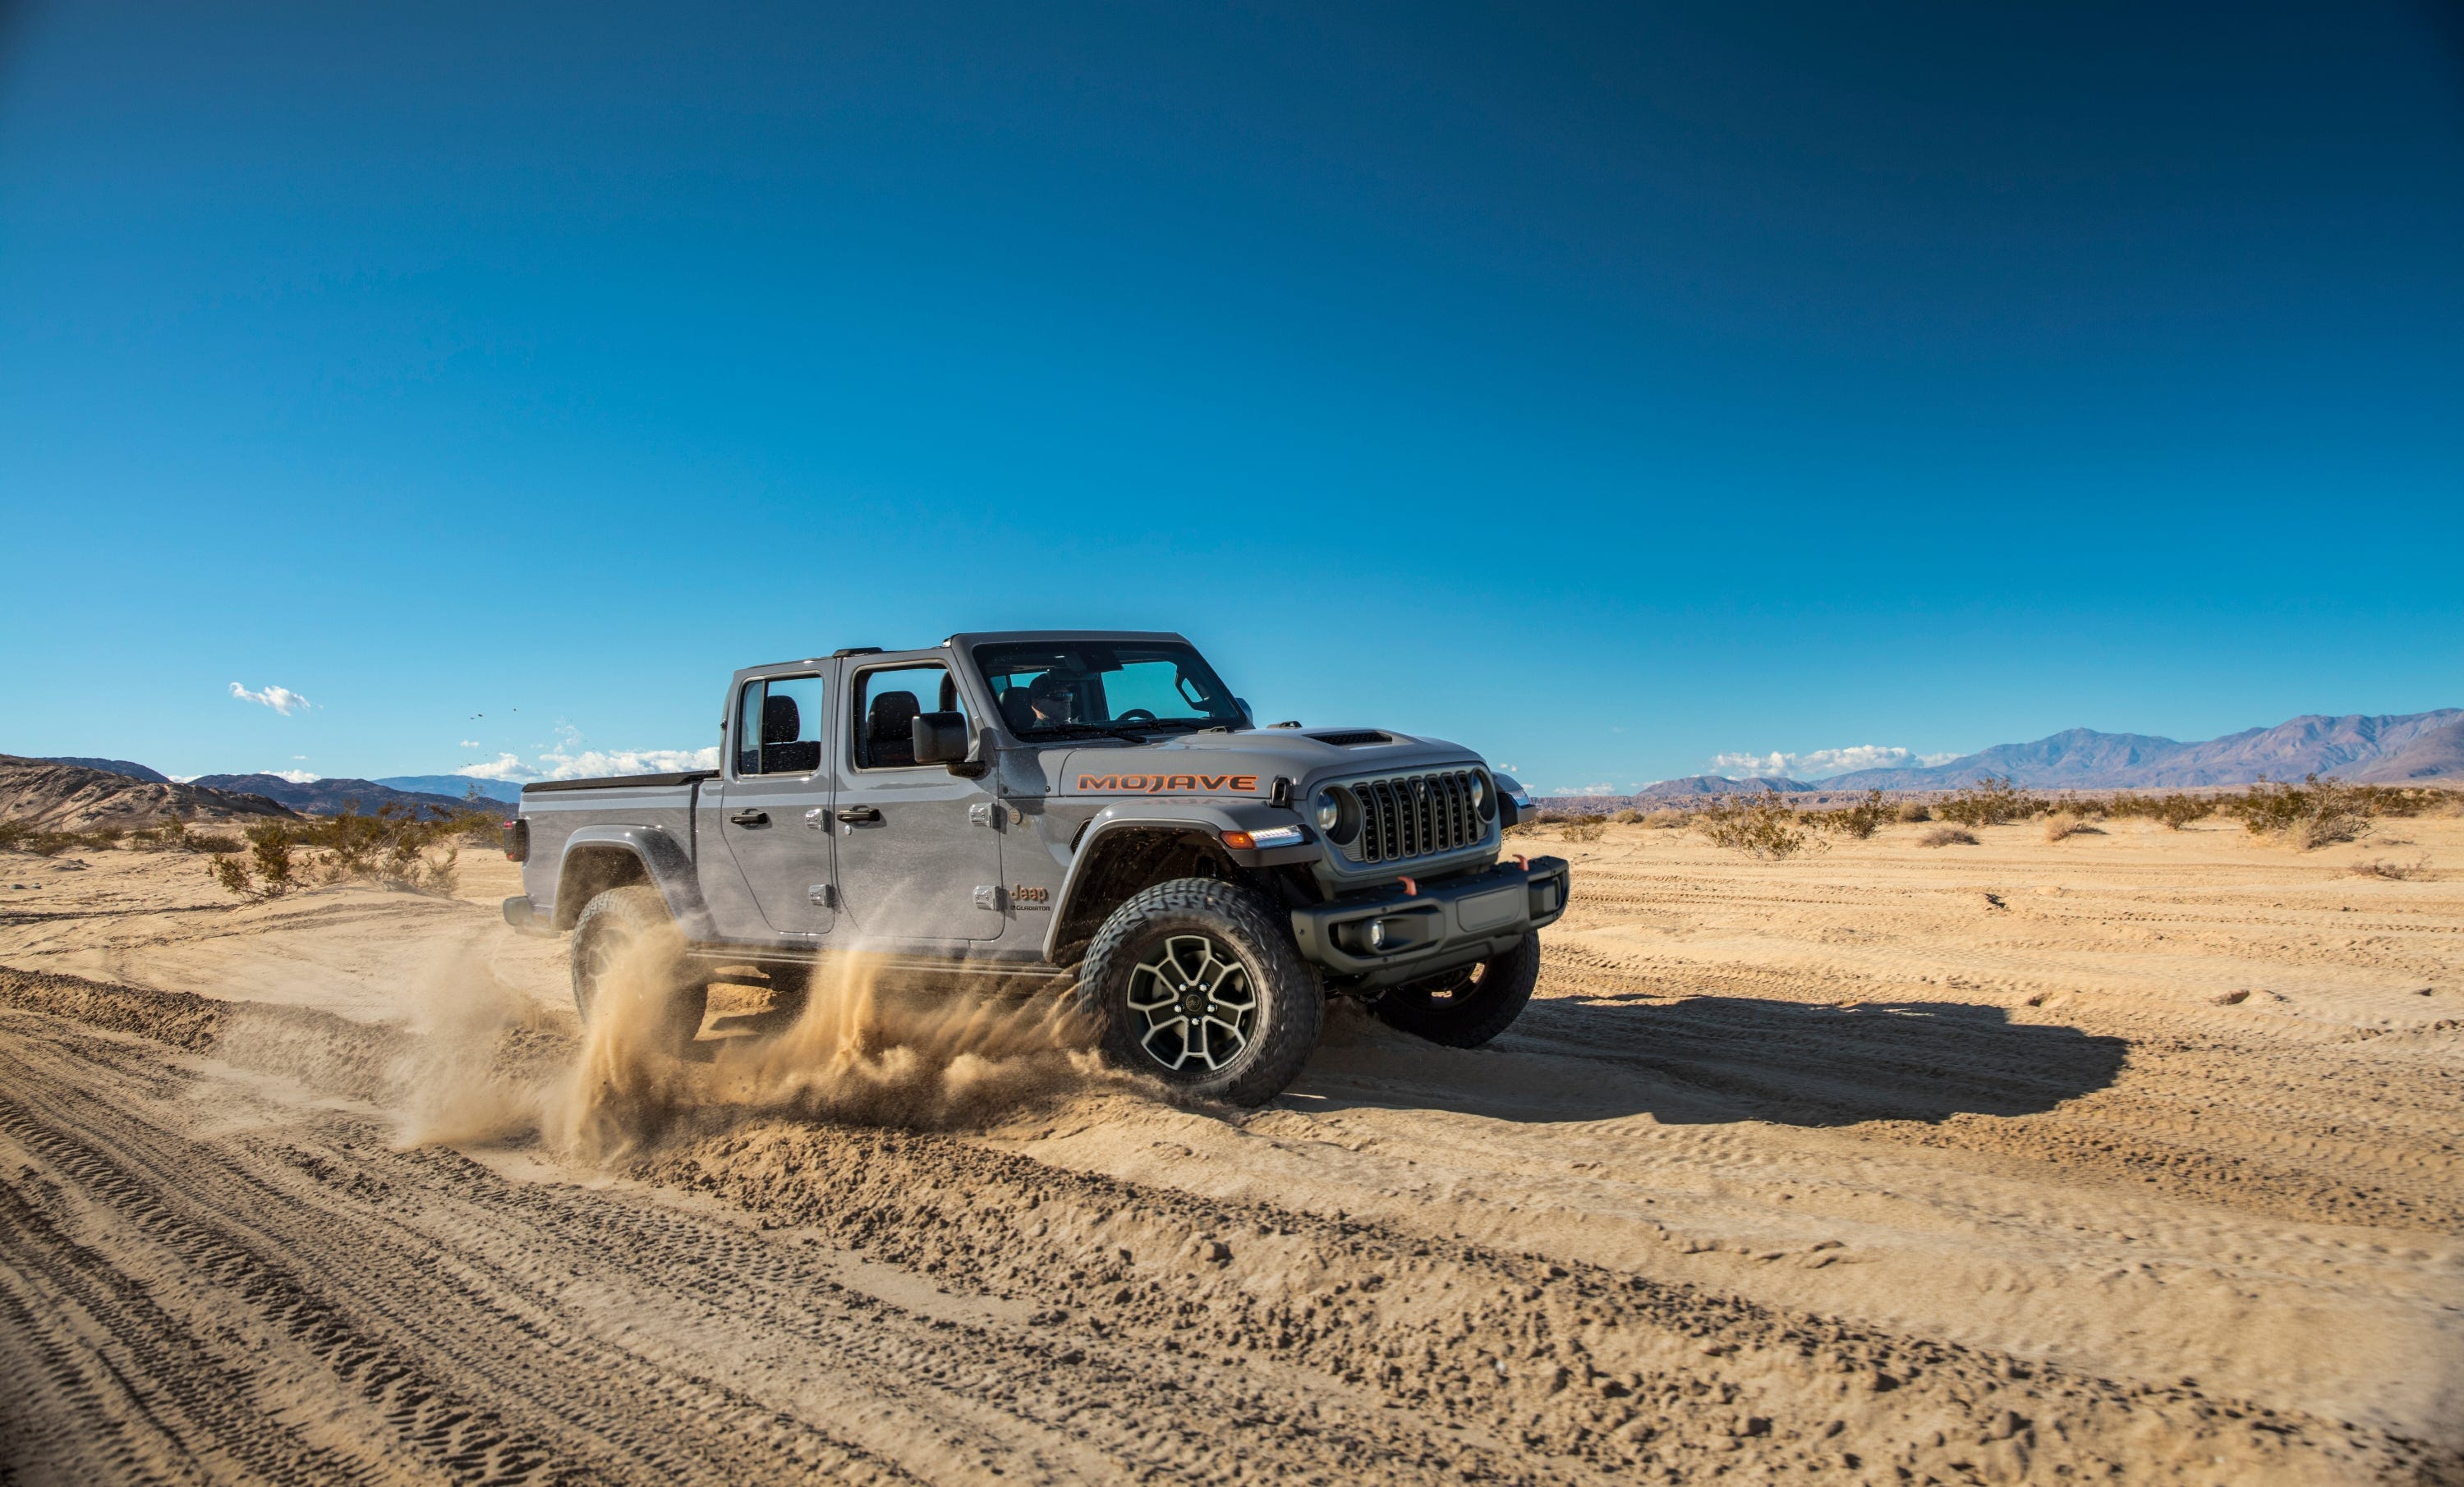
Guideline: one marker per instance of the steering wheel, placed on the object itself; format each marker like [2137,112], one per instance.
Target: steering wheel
[1135,715]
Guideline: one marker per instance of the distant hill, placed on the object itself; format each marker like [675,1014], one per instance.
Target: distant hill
[2437,755]
[116,767]
[454,785]
[2356,746]
[333,797]
[62,796]
[1720,784]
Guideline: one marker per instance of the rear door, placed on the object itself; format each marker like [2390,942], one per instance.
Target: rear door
[775,812]
[918,847]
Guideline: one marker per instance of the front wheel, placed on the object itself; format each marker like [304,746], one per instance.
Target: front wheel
[1466,1008]
[630,971]
[1198,983]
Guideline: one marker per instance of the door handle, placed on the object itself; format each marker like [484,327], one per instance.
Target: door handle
[751,818]
[859,813]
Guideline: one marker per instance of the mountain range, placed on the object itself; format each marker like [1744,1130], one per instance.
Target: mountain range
[58,795]
[2412,748]
[2405,749]
[457,786]
[332,797]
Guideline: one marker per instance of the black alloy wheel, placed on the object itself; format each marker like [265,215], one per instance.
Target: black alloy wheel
[1198,983]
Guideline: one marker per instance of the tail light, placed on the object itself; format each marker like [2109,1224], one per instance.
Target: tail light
[517,839]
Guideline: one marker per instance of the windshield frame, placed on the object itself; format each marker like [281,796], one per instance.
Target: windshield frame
[993,658]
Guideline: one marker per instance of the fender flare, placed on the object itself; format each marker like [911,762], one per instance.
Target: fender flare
[665,862]
[1194,817]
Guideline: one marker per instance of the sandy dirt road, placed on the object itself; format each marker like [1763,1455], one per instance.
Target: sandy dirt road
[2130,1157]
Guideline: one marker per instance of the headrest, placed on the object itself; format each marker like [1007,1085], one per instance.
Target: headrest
[891,714]
[781,723]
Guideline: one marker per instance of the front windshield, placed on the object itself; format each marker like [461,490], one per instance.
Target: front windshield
[1086,687]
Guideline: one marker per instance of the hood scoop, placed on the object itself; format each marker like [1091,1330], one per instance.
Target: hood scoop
[1352,738]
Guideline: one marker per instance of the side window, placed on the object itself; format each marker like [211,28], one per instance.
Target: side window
[888,701]
[779,727]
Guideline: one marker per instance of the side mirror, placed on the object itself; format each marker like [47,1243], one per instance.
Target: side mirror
[939,738]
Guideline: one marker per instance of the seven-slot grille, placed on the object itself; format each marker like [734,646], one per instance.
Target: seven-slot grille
[1414,816]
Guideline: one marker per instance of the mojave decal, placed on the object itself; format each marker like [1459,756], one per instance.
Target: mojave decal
[1168,784]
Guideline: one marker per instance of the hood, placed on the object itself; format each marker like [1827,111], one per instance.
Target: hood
[1244,763]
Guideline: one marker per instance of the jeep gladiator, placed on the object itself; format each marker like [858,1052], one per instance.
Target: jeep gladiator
[1080,809]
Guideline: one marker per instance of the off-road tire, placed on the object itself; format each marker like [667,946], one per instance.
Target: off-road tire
[1246,928]
[1466,1008]
[635,921]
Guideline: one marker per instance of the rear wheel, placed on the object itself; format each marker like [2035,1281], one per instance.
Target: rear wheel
[628,963]
[1466,1008]
[1198,982]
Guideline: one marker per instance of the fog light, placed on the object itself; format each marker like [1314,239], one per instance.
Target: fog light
[1378,936]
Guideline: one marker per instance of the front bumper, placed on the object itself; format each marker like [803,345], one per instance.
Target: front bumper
[1432,926]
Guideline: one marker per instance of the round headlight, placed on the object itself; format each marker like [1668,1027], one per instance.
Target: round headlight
[1483,796]
[1337,814]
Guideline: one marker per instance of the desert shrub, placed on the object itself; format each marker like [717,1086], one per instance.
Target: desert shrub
[2172,812]
[1553,818]
[1912,810]
[1760,824]
[1991,801]
[394,845]
[175,835]
[2312,814]
[2067,823]
[1947,836]
[19,835]
[1628,817]
[1667,818]
[1857,821]
[1585,828]
[2390,868]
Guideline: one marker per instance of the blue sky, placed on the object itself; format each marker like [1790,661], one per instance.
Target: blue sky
[1610,389]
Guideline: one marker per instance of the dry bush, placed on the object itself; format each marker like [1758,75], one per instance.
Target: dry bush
[2390,868]
[1947,836]
[2172,812]
[2310,815]
[1585,828]
[17,836]
[2177,809]
[2069,823]
[1628,817]
[1762,824]
[1667,818]
[393,847]
[1911,811]
[1991,802]
[1860,821]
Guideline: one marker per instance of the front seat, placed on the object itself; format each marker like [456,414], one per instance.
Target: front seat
[889,732]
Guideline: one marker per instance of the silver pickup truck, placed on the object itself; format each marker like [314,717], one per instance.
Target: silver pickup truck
[1088,810]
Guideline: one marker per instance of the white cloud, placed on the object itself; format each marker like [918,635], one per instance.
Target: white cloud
[298,776]
[506,766]
[1824,763]
[468,743]
[281,699]
[564,762]
[1598,789]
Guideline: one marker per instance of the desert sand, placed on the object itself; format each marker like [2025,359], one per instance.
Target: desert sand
[2129,1157]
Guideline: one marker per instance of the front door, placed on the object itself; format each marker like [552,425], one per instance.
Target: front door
[918,847]
[775,814]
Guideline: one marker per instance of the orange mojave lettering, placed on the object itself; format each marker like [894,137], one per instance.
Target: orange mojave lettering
[1160,784]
